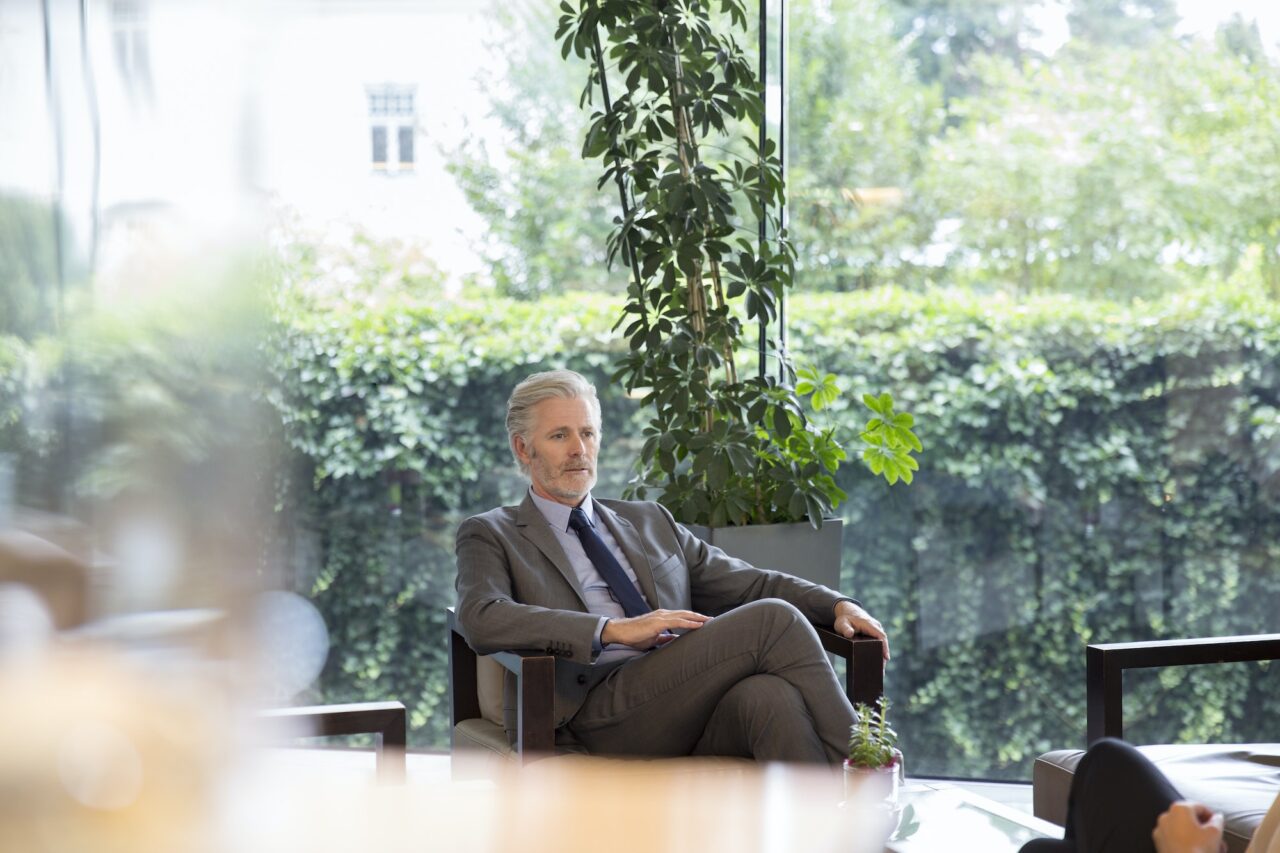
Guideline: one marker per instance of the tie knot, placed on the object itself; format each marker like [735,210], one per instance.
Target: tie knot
[578,519]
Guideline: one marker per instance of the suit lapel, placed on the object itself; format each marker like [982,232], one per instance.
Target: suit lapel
[628,538]
[533,526]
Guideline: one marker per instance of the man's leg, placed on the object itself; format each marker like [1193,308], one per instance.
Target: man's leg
[765,718]
[663,703]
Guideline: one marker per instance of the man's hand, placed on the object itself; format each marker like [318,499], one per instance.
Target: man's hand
[1189,828]
[852,619]
[651,629]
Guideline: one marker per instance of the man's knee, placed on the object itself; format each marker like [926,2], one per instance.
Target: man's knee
[763,695]
[768,609]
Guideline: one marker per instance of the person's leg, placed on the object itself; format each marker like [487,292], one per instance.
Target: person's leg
[662,703]
[1116,796]
[765,718]
[1048,845]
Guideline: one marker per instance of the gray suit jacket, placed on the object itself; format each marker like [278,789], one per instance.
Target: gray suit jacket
[517,590]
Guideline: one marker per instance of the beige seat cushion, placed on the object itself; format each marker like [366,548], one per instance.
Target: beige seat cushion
[490,676]
[1239,780]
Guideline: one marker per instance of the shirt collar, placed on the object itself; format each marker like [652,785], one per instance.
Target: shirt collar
[557,514]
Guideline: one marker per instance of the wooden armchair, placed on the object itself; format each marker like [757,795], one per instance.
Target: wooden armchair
[1239,780]
[386,721]
[476,686]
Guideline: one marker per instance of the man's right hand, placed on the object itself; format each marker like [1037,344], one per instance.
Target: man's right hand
[1189,827]
[652,629]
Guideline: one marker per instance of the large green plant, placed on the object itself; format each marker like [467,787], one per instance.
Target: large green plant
[723,448]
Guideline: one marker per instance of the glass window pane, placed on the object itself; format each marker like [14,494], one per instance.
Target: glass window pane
[1039,191]
[405,142]
[379,144]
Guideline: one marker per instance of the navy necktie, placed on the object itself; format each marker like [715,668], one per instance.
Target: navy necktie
[623,589]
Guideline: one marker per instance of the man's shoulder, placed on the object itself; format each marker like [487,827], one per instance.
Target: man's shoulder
[497,518]
[635,510]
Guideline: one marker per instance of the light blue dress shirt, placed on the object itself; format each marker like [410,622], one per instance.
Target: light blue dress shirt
[599,598]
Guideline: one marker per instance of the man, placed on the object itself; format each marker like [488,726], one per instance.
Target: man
[667,645]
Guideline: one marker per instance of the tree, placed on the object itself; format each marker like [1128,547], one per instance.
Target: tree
[547,224]
[858,124]
[1130,23]
[948,35]
[1111,170]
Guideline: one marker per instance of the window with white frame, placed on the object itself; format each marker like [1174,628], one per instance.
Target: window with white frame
[392,120]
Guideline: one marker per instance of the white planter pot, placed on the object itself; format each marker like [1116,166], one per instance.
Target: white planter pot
[871,805]
[874,786]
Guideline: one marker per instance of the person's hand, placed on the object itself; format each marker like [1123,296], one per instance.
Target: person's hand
[1189,827]
[652,629]
[852,619]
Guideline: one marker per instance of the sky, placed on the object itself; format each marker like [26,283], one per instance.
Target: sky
[1198,17]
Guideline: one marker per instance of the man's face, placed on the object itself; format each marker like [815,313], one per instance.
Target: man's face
[561,451]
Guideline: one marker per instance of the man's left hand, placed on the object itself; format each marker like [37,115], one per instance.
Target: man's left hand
[852,619]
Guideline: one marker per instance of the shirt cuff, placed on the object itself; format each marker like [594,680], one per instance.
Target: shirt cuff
[596,645]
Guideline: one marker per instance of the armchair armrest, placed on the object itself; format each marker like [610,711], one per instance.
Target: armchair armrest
[385,720]
[535,687]
[864,670]
[1105,664]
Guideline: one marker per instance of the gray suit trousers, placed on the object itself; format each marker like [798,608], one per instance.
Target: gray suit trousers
[753,682]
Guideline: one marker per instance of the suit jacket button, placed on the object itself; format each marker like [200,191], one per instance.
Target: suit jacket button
[582,679]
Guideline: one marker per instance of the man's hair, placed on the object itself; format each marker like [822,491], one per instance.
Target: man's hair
[533,390]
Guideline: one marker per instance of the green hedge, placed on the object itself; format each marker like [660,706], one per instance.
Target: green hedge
[1093,472]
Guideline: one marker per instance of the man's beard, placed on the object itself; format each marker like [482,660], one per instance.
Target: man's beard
[558,491]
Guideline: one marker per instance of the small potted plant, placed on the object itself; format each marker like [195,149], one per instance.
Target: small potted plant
[873,769]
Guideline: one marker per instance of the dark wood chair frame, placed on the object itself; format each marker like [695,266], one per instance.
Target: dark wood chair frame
[386,721]
[1105,665]
[535,680]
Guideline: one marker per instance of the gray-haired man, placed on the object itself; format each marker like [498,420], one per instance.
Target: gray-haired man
[621,593]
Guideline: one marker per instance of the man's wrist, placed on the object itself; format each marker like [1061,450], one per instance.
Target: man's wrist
[842,599]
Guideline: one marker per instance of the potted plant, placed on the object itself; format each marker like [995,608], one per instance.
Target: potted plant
[724,447]
[874,767]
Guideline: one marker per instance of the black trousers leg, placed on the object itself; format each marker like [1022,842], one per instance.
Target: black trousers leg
[1116,796]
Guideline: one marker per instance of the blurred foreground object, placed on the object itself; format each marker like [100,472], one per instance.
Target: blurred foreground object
[58,578]
[571,805]
[96,757]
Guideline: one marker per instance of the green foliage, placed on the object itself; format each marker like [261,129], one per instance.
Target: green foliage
[927,143]
[546,223]
[1122,22]
[1097,473]
[872,743]
[858,126]
[1115,172]
[13,383]
[947,36]
[28,265]
[721,450]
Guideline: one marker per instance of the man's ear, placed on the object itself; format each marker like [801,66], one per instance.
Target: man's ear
[518,445]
